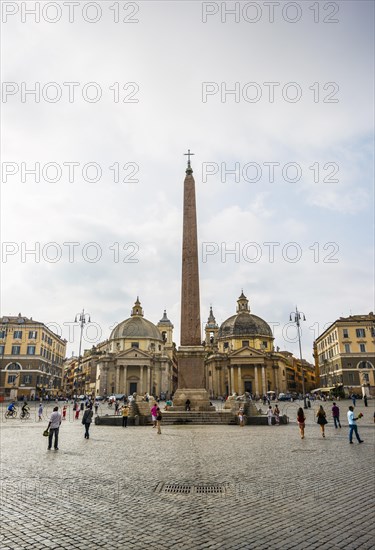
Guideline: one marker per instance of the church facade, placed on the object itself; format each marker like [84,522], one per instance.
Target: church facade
[241,357]
[139,357]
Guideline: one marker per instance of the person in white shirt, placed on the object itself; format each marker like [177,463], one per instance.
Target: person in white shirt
[53,427]
[353,426]
[270,415]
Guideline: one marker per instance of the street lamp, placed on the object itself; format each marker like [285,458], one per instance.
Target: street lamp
[82,319]
[296,317]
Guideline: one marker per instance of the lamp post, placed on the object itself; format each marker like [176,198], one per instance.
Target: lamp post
[4,331]
[296,317]
[81,318]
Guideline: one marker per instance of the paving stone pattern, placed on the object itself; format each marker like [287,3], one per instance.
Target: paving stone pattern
[267,487]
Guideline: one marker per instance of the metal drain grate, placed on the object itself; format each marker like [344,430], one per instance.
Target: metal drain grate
[191,488]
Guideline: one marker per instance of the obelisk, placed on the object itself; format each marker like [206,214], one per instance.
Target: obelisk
[191,353]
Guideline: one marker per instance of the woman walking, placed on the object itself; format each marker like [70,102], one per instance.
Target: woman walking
[40,411]
[322,421]
[301,422]
[158,420]
[276,413]
[241,417]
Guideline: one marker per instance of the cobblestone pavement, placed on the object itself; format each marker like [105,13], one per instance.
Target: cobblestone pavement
[267,487]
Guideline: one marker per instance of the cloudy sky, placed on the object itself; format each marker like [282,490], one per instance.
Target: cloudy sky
[278,110]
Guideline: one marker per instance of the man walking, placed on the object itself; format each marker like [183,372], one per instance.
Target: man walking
[86,420]
[353,426]
[336,415]
[125,414]
[53,427]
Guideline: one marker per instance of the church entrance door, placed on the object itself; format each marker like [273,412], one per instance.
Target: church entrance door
[248,386]
[132,388]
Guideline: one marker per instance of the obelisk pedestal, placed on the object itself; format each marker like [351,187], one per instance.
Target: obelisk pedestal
[191,353]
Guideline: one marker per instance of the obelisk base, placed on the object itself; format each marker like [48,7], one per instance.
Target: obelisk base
[191,380]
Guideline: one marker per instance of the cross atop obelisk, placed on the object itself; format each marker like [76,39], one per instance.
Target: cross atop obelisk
[189,169]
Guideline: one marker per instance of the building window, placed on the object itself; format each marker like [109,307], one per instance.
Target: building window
[16,350]
[30,350]
[135,344]
[360,332]
[26,379]
[245,343]
[2,333]
[2,349]
[347,348]
[17,334]
[11,378]
[350,377]
[345,333]
[362,348]
[33,334]
[265,345]
[226,345]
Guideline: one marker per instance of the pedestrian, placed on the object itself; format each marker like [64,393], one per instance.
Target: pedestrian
[40,411]
[87,419]
[154,413]
[365,400]
[77,411]
[82,406]
[96,407]
[322,420]
[276,413]
[353,426]
[270,415]
[53,427]
[116,407]
[64,412]
[353,399]
[336,415]
[241,417]
[187,405]
[158,420]
[125,414]
[301,422]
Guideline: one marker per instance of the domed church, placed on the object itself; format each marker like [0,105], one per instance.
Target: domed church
[138,357]
[241,356]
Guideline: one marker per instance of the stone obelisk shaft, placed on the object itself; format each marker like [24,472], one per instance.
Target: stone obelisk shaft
[190,304]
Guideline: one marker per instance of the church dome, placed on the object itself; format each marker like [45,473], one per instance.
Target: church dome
[244,323]
[136,326]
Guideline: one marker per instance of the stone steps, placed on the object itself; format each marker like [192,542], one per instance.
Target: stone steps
[198,417]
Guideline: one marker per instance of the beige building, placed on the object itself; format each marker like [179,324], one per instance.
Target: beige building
[345,355]
[138,357]
[241,357]
[32,358]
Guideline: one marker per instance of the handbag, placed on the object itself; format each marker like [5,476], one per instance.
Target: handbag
[46,433]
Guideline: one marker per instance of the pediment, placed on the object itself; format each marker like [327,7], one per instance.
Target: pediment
[245,352]
[133,353]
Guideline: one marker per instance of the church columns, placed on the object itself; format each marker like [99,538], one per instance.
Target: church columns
[256,381]
[264,389]
[239,380]
[232,380]
[125,379]
[117,379]
[148,389]
[140,392]
[159,379]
